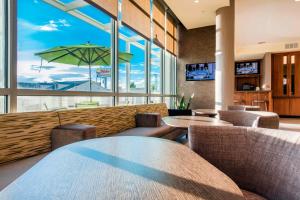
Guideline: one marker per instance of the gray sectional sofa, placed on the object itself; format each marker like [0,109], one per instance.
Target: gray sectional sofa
[251,118]
[264,162]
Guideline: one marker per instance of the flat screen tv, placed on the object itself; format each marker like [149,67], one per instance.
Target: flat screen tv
[246,68]
[200,72]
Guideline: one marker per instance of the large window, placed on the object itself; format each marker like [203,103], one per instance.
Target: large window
[155,100]
[132,75]
[63,50]
[2,44]
[170,101]
[132,100]
[73,54]
[169,74]
[50,103]
[2,104]
[155,70]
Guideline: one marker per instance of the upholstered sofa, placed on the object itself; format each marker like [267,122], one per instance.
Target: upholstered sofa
[254,119]
[243,107]
[25,135]
[263,162]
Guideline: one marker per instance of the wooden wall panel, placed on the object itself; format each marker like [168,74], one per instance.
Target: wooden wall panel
[145,5]
[170,43]
[158,14]
[171,35]
[135,18]
[170,26]
[110,6]
[176,48]
[159,33]
[175,32]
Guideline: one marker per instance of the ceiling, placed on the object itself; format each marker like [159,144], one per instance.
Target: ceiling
[265,26]
[260,25]
[195,15]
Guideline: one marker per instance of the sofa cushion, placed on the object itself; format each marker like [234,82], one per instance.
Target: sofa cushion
[148,120]
[147,131]
[11,171]
[252,196]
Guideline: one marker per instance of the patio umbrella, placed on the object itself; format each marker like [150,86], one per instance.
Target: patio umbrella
[82,55]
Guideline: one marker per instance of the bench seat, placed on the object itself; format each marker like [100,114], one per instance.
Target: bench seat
[164,131]
[10,171]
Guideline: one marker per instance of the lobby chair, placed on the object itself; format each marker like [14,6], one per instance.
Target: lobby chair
[263,162]
[253,119]
[243,108]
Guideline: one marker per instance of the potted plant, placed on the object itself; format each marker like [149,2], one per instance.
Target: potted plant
[182,107]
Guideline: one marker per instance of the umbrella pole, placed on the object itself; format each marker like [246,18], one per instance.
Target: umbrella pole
[90,72]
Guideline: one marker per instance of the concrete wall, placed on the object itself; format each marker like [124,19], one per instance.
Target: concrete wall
[196,46]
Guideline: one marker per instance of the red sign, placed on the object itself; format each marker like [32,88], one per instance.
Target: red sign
[104,72]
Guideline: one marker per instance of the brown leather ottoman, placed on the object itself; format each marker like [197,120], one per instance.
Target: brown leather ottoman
[70,133]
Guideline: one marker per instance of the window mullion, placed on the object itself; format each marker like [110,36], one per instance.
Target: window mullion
[12,55]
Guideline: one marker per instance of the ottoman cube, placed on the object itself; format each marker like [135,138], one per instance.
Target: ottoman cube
[70,133]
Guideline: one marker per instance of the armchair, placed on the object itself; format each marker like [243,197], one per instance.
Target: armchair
[262,161]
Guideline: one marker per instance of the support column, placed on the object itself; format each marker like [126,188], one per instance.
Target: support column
[224,84]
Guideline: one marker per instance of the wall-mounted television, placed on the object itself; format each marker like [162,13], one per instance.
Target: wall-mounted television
[200,72]
[246,68]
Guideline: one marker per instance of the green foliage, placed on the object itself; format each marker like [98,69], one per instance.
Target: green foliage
[182,105]
[132,85]
[153,87]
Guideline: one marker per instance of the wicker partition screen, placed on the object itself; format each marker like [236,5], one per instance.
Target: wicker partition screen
[108,120]
[153,108]
[28,134]
[25,134]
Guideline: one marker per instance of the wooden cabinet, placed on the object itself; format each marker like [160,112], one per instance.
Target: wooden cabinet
[287,106]
[281,106]
[249,98]
[295,106]
[286,83]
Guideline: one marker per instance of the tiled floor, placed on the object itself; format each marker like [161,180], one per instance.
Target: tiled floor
[291,124]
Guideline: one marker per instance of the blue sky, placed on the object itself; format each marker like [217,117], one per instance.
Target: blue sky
[42,26]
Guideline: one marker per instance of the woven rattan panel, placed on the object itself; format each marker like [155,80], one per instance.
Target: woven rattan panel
[108,120]
[153,108]
[25,134]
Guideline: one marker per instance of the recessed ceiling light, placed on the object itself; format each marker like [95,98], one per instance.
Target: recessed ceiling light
[297,0]
[197,1]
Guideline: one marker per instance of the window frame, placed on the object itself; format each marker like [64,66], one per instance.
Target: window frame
[11,92]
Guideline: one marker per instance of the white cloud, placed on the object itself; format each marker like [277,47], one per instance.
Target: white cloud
[49,27]
[64,22]
[25,70]
[137,72]
[52,25]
